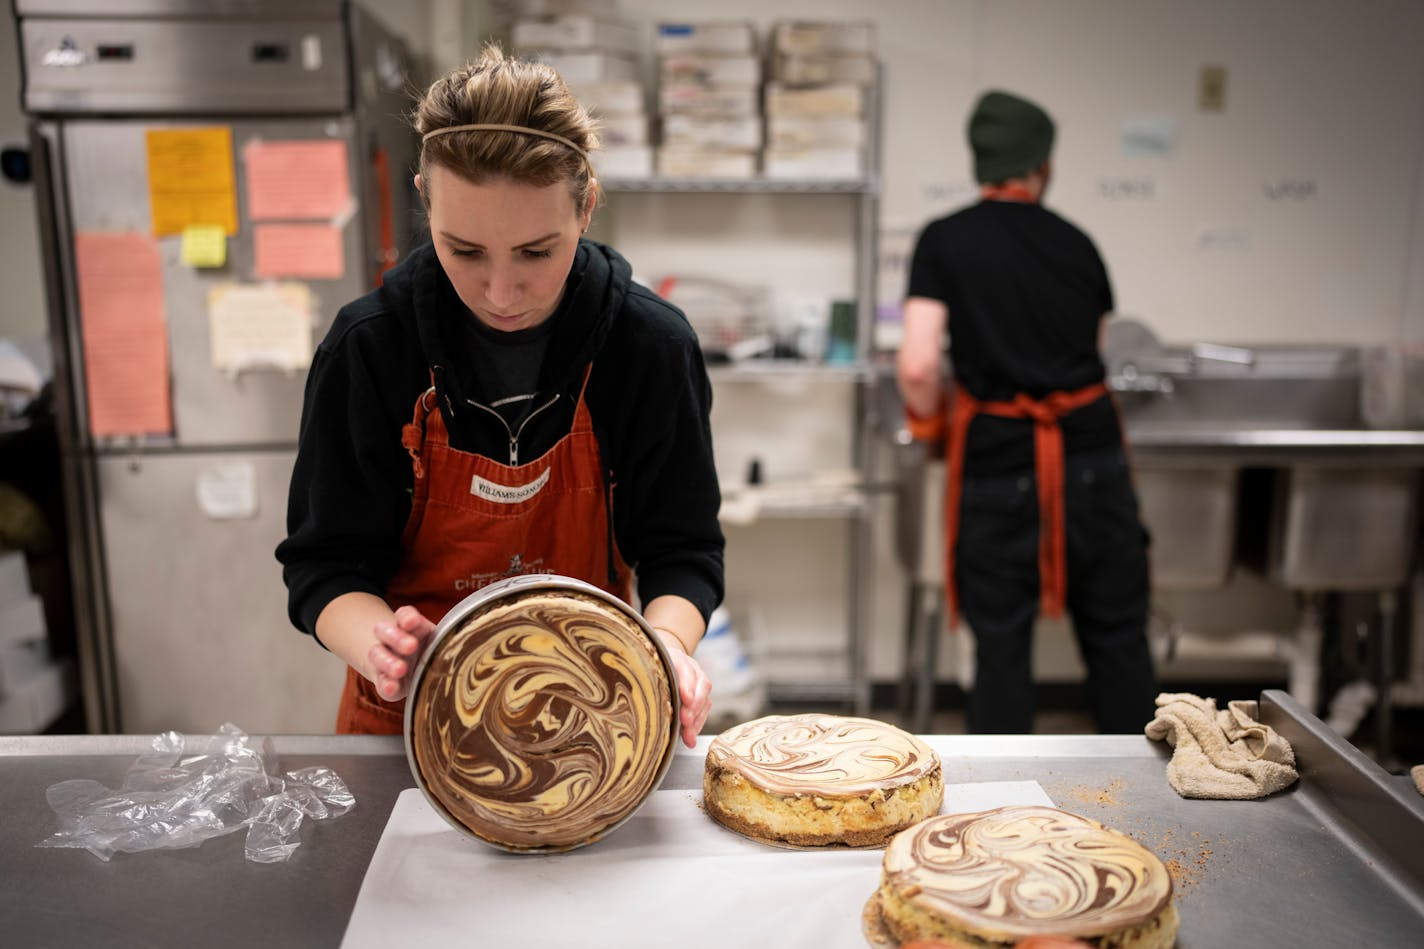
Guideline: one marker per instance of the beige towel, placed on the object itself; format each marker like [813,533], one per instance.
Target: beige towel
[1417,772]
[1225,754]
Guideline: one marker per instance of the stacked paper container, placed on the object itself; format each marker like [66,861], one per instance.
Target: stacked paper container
[822,79]
[597,54]
[34,688]
[709,83]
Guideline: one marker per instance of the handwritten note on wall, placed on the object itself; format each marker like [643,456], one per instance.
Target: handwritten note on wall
[125,337]
[309,251]
[297,179]
[190,179]
[268,325]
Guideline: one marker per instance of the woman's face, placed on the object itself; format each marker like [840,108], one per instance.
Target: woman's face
[507,247]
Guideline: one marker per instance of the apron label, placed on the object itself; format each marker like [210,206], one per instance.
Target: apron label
[505,493]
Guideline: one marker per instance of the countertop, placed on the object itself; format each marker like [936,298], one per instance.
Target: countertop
[1277,446]
[1336,860]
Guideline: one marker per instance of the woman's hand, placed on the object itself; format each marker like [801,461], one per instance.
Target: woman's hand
[399,643]
[694,689]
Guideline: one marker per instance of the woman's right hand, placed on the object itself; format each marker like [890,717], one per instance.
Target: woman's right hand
[399,643]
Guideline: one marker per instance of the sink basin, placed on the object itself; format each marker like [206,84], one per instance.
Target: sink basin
[1344,529]
[1190,511]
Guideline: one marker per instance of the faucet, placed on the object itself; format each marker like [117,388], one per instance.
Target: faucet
[1215,353]
[1129,378]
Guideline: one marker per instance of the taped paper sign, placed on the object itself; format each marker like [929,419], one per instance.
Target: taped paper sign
[261,326]
[228,491]
[190,179]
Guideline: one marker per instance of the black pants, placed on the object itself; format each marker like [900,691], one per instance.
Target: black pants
[996,572]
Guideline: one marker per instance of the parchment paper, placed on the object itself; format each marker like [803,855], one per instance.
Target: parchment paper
[670,876]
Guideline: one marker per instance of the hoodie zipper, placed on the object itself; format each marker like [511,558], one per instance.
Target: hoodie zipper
[514,433]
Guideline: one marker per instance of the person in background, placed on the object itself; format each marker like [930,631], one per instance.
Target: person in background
[1041,514]
[508,401]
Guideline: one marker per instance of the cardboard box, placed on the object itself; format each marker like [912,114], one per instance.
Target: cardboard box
[681,161]
[841,98]
[821,37]
[587,66]
[727,69]
[611,97]
[734,133]
[35,705]
[694,99]
[707,37]
[580,32]
[813,163]
[624,161]
[817,131]
[805,69]
[512,9]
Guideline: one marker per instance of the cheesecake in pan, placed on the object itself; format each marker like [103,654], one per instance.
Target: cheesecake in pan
[541,721]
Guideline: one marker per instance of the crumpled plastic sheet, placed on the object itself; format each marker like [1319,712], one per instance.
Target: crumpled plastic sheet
[185,791]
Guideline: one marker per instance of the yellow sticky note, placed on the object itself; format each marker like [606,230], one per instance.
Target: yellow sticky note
[191,179]
[204,245]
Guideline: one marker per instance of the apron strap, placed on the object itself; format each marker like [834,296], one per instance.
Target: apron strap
[413,432]
[1048,462]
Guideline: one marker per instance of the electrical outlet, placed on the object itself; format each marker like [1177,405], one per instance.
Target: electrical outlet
[1211,89]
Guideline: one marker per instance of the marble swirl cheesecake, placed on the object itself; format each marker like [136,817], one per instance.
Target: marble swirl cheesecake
[814,780]
[994,878]
[542,721]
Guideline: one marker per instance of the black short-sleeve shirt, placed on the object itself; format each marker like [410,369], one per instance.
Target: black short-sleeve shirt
[1026,291]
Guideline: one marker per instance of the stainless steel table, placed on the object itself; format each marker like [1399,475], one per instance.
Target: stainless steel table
[1337,860]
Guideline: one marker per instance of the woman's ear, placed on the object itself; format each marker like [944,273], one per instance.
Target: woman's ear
[420,189]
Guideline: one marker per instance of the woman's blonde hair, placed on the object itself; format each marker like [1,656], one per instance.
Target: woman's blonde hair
[499,90]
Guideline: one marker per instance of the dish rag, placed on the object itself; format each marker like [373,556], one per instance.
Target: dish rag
[1223,754]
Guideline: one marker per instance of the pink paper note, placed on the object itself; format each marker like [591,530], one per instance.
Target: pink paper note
[302,179]
[124,334]
[311,251]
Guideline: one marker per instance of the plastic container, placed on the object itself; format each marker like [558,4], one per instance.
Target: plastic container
[537,720]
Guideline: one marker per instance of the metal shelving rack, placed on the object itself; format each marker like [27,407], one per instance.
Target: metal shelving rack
[853,688]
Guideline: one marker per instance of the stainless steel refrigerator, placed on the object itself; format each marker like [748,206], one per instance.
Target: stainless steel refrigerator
[186,288]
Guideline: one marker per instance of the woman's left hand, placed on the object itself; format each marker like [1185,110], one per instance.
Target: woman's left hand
[694,689]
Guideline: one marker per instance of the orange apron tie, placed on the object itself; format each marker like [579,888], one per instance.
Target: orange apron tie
[488,521]
[1048,471]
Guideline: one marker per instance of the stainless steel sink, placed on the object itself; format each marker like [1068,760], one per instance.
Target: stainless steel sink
[1342,529]
[1190,510]
[1277,387]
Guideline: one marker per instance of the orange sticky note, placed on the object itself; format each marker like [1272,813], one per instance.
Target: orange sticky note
[296,179]
[311,251]
[124,334]
[190,179]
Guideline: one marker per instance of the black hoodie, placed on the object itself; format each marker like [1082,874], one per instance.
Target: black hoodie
[648,395]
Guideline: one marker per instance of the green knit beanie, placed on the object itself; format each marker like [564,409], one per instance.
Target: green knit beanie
[1010,136]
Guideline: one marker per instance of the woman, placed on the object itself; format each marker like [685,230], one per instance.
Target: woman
[509,401]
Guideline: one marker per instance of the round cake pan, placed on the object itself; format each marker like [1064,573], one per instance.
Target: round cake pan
[511,747]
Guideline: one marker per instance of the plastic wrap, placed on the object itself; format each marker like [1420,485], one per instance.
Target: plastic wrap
[185,791]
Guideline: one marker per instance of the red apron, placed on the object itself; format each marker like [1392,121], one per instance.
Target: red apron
[473,521]
[1048,471]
